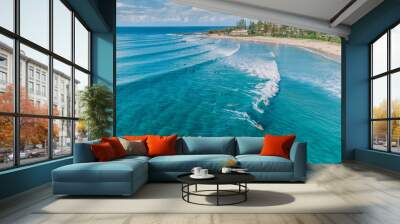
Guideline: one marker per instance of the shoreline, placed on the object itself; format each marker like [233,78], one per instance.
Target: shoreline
[329,50]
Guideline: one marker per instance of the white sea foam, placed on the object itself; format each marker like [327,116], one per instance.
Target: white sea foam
[266,70]
[227,51]
[217,52]
[328,83]
[245,116]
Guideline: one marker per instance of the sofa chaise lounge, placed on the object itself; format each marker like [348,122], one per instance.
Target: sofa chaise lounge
[125,176]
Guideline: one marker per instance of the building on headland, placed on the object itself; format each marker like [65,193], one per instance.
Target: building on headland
[241,32]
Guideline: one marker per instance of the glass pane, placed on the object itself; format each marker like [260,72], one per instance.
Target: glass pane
[35,21]
[81,82]
[81,131]
[6,142]
[81,45]
[395,47]
[379,97]
[62,29]
[6,74]
[62,138]
[395,94]
[7,14]
[62,89]
[379,55]
[34,97]
[33,139]
[379,135]
[395,136]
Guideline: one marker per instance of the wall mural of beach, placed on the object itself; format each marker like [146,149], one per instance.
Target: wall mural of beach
[200,73]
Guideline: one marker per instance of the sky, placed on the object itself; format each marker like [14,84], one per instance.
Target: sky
[35,27]
[167,13]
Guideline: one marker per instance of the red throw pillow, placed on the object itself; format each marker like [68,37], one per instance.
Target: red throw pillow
[161,145]
[116,145]
[136,138]
[277,145]
[103,152]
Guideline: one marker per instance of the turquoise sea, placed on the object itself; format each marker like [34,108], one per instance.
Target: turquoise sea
[177,80]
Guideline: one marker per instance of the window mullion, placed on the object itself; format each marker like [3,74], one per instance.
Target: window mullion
[50,81]
[389,101]
[73,82]
[16,84]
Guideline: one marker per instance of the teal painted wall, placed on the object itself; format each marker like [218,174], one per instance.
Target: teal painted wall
[356,60]
[102,58]
[24,178]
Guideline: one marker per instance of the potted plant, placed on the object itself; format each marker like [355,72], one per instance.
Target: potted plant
[96,103]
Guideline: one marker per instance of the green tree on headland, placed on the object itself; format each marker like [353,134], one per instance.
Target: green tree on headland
[261,28]
[252,28]
[241,24]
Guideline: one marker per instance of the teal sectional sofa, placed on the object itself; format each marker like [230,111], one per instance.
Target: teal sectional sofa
[125,176]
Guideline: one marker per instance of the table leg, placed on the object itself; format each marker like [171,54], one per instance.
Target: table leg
[217,194]
[188,190]
[182,190]
[195,188]
[245,193]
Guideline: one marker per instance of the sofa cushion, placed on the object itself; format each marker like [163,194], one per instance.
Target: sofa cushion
[83,152]
[257,163]
[249,145]
[161,145]
[116,145]
[208,145]
[134,147]
[277,145]
[112,171]
[103,152]
[135,138]
[185,163]
[132,158]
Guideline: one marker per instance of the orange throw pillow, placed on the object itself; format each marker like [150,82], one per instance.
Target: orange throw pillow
[103,152]
[161,145]
[136,138]
[277,145]
[116,145]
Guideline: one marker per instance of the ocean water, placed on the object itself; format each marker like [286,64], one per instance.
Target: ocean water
[177,80]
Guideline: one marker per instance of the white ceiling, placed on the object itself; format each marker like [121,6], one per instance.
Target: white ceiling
[321,9]
[317,15]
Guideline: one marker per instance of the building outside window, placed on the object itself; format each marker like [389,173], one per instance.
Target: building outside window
[30,72]
[43,90]
[38,89]
[44,77]
[3,61]
[3,72]
[30,87]
[37,75]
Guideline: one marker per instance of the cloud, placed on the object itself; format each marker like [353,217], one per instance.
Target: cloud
[164,12]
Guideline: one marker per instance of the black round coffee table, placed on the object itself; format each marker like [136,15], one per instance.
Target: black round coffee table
[238,179]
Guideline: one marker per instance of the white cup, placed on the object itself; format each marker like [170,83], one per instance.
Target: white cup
[196,171]
[226,170]
[203,172]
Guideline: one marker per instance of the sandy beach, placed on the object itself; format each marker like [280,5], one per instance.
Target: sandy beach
[328,49]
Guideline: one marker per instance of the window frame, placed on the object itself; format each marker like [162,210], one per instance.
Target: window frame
[388,74]
[16,114]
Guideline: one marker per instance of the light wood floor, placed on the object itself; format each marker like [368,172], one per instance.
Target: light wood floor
[379,189]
